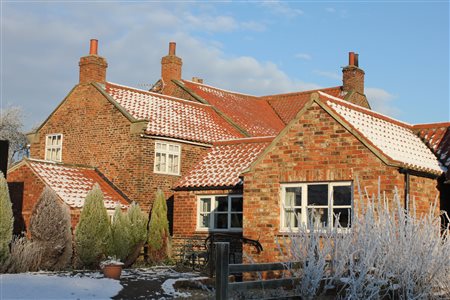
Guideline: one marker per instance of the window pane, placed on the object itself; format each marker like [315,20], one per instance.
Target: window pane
[344,215]
[342,195]
[204,220]
[236,204]
[205,205]
[318,194]
[175,163]
[221,221]
[221,203]
[170,163]
[59,140]
[163,162]
[293,196]
[158,162]
[236,220]
[319,217]
[292,217]
[58,154]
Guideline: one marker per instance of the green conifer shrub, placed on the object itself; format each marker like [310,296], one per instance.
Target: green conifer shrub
[93,232]
[138,221]
[159,237]
[120,235]
[6,220]
[50,228]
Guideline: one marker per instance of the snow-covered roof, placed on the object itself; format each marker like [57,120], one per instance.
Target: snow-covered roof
[224,162]
[393,138]
[72,183]
[173,117]
[250,113]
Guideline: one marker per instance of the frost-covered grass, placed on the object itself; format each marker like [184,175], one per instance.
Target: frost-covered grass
[388,252]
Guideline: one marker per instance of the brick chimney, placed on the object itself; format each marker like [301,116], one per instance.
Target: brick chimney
[93,67]
[170,70]
[352,75]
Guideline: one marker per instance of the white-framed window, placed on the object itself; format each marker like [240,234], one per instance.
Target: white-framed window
[167,158]
[53,147]
[316,204]
[219,213]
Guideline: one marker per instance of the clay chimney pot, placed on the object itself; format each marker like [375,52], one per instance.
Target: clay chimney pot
[172,48]
[93,47]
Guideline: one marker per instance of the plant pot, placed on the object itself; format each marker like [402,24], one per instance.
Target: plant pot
[112,271]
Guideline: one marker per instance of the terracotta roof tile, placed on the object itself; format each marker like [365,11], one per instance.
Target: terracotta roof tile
[393,138]
[224,162]
[72,183]
[173,117]
[437,137]
[288,105]
[252,114]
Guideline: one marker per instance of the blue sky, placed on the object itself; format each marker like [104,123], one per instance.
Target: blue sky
[251,47]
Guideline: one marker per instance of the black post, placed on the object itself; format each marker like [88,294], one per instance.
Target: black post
[222,270]
[4,147]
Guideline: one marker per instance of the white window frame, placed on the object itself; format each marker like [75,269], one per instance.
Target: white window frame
[303,220]
[166,153]
[52,148]
[212,213]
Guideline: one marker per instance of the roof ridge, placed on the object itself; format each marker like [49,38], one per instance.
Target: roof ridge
[247,140]
[223,90]
[158,95]
[431,125]
[300,92]
[367,111]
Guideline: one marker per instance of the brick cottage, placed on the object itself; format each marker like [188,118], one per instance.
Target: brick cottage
[229,162]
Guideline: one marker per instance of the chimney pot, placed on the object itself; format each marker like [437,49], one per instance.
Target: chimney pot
[356,60]
[93,47]
[351,58]
[172,48]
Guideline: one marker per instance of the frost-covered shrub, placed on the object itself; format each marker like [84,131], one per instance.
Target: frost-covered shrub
[159,237]
[93,232]
[25,256]
[388,252]
[6,220]
[120,235]
[50,229]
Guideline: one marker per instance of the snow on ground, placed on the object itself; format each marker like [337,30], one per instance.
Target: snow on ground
[45,286]
[151,283]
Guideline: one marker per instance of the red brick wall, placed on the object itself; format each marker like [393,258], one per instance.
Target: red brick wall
[315,148]
[97,134]
[424,192]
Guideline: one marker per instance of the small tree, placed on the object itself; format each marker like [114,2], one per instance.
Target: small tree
[92,235]
[11,129]
[50,229]
[6,220]
[158,241]
[120,235]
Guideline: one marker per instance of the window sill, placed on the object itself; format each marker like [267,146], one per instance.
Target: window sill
[199,230]
[170,174]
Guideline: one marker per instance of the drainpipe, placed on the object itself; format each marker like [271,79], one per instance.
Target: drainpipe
[406,172]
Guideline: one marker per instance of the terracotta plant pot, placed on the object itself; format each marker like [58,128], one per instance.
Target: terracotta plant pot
[112,271]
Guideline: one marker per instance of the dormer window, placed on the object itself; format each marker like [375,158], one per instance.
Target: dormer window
[53,147]
[167,158]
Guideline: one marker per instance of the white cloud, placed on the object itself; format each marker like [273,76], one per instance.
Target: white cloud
[282,8]
[211,23]
[330,9]
[328,74]
[304,56]
[381,101]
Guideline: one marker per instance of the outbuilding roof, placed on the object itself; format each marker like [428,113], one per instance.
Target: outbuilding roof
[437,137]
[394,139]
[224,162]
[172,117]
[72,183]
